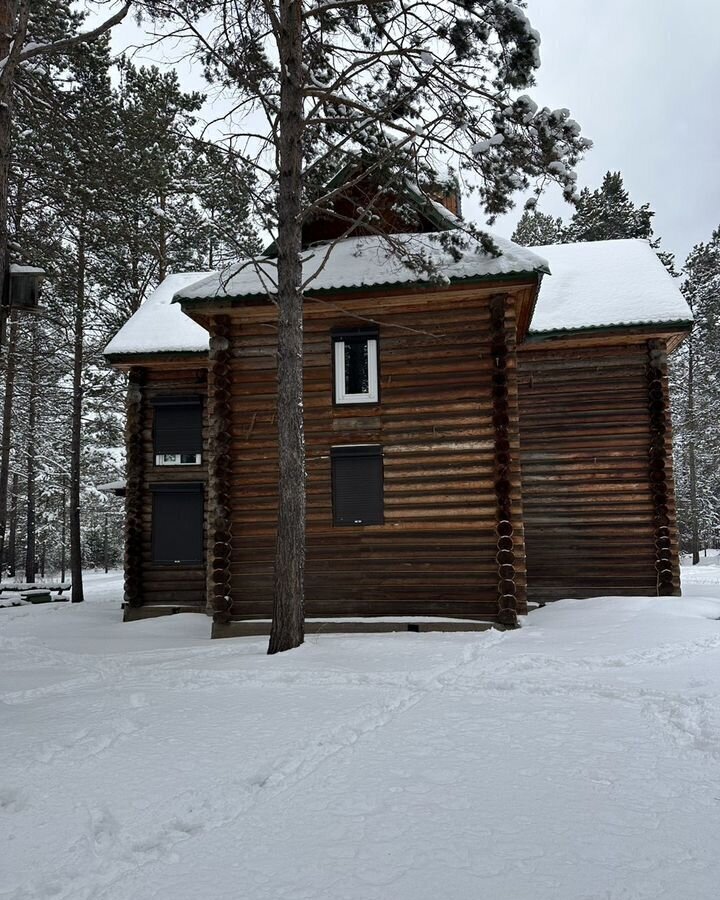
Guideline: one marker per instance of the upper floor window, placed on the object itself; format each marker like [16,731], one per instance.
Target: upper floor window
[177,431]
[355,357]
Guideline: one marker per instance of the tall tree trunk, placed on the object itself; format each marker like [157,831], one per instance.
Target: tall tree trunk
[63,533]
[288,602]
[692,468]
[105,544]
[6,440]
[162,242]
[11,553]
[7,30]
[694,511]
[14,18]
[13,27]
[76,432]
[134,270]
[31,457]
[211,241]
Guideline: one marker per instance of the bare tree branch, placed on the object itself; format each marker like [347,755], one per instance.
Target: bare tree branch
[65,44]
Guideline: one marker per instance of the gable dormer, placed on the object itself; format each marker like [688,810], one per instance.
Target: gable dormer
[359,203]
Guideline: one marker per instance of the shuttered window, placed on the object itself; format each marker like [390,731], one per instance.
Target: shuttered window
[357,484]
[177,523]
[177,425]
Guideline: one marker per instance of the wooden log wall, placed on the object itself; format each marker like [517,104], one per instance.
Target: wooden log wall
[586,436]
[667,558]
[219,492]
[505,422]
[437,553]
[161,585]
[134,488]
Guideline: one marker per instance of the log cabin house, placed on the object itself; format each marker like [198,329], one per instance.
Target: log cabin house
[491,434]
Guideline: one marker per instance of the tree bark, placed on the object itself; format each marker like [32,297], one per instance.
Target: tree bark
[63,533]
[31,459]
[6,439]
[162,242]
[288,602]
[7,30]
[13,28]
[11,553]
[694,524]
[76,430]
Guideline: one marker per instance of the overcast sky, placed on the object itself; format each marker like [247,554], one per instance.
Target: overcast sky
[642,78]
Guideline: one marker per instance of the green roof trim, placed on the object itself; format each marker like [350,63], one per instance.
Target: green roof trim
[559,333]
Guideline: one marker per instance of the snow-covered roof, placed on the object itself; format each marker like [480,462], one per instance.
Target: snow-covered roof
[17,269]
[160,326]
[604,283]
[112,486]
[366,262]
[592,285]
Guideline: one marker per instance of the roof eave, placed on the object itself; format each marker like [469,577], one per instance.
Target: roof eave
[672,325]
[138,359]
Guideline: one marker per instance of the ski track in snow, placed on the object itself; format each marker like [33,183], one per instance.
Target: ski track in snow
[95,863]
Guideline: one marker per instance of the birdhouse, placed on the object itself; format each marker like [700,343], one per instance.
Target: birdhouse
[25,286]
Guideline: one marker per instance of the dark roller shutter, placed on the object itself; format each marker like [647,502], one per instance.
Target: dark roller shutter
[177,425]
[357,485]
[177,523]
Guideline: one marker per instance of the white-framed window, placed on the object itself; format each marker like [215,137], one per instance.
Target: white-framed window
[356,367]
[178,459]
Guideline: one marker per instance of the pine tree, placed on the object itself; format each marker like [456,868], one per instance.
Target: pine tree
[97,230]
[696,394]
[407,83]
[179,203]
[33,30]
[62,199]
[536,229]
[222,182]
[608,214]
[154,223]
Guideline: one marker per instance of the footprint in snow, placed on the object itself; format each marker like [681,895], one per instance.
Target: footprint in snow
[12,800]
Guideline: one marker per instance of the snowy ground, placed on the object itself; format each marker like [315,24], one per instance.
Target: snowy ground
[577,758]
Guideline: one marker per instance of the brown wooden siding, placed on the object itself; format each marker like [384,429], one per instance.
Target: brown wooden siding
[585,435]
[169,585]
[436,552]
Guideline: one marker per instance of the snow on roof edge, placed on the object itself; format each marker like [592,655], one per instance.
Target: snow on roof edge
[595,285]
[159,326]
[606,284]
[630,323]
[367,262]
